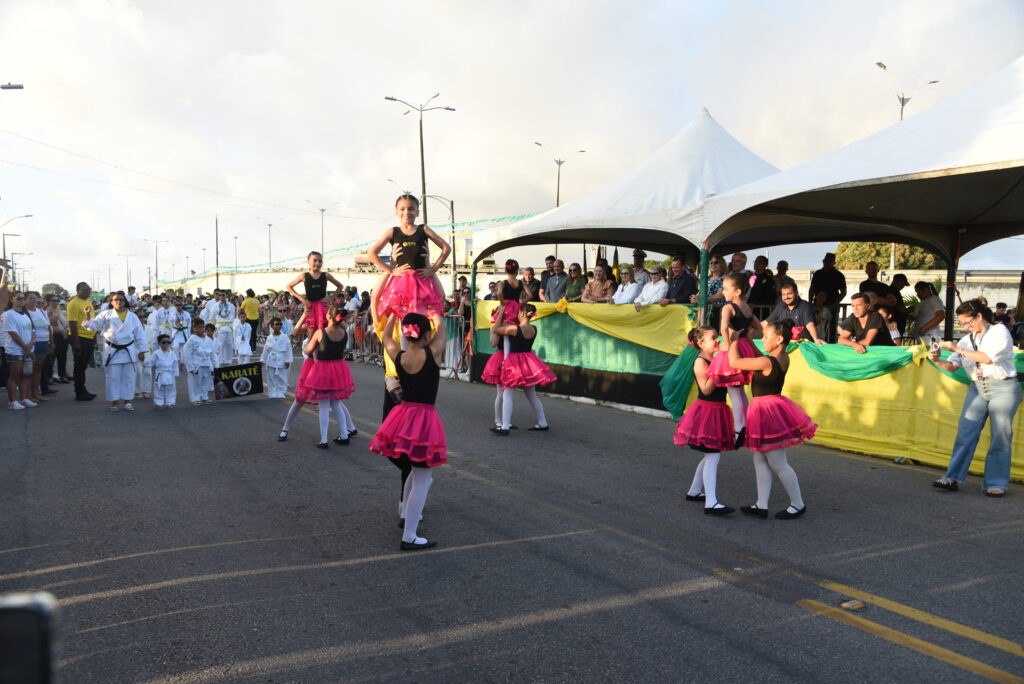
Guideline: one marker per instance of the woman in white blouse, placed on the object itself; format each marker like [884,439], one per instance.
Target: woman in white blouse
[628,287]
[986,355]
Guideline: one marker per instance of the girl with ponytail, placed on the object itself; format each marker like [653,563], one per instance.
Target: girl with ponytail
[328,380]
[519,368]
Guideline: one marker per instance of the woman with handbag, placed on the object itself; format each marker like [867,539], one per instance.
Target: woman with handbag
[986,355]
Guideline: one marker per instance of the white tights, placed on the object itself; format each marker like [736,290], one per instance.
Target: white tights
[293,411]
[506,406]
[416,488]
[764,463]
[706,477]
[739,402]
[341,416]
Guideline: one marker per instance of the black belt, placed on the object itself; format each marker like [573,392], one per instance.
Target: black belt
[117,348]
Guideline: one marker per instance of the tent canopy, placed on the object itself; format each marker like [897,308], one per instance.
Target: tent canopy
[643,207]
[948,179]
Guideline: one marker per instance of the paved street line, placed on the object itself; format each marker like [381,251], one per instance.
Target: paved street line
[929,649]
[927,618]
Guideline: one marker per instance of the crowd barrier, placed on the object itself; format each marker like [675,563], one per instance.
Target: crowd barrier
[368,349]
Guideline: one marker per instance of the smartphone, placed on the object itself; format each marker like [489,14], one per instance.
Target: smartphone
[935,346]
[27,631]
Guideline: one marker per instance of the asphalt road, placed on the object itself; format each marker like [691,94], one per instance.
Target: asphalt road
[191,546]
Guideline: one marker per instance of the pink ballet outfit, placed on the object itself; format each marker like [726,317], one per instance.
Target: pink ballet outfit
[408,292]
[707,425]
[720,371]
[328,376]
[775,421]
[522,368]
[413,429]
[492,371]
[316,291]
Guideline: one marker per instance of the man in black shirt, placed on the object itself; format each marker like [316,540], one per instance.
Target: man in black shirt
[802,314]
[549,270]
[681,286]
[830,281]
[873,284]
[863,328]
[762,291]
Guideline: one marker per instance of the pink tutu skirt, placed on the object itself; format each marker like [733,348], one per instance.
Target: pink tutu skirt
[775,422]
[316,315]
[302,394]
[414,430]
[326,380]
[492,371]
[706,426]
[525,369]
[725,375]
[408,293]
[510,314]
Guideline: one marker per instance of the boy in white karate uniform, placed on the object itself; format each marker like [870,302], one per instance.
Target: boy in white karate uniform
[223,319]
[180,325]
[165,372]
[276,359]
[144,378]
[199,362]
[243,333]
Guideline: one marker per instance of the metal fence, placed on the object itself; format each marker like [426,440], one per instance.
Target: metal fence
[367,347]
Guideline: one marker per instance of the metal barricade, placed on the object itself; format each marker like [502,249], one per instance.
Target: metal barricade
[455,360]
[367,347]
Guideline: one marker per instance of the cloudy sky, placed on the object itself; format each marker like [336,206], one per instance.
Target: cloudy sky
[146,119]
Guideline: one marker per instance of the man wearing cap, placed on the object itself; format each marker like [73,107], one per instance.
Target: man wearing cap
[640,274]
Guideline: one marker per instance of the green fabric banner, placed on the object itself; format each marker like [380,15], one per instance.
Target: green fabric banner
[840,362]
[676,384]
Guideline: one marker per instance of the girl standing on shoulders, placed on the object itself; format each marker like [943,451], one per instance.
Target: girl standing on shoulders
[774,422]
[707,425]
[737,326]
[412,436]
[328,381]
[412,285]
[521,368]
[314,314]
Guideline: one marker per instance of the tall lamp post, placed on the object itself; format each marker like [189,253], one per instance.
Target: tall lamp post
[7,235]
[558,175]
[451,220]
[236,251]
[127,272]
[14,267]
[322,210]
[270,261]
[110,278]
[204,258]
[423,165]
[156,259]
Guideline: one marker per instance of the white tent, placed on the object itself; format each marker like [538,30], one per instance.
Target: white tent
[643,207]
[949,179]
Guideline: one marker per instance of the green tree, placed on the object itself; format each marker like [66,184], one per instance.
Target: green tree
[851,255]
[55,289]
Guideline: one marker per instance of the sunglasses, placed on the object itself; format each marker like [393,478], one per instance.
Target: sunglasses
[164,342]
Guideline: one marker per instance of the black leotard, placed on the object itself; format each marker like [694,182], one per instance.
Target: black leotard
[315,289]
[412,247]
[763,385]
[421,387]
[738,321]
[332,350]
[717,395]
[519,342]
[510,293]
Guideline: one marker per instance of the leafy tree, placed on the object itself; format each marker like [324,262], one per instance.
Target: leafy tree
[55,289]
[851,255]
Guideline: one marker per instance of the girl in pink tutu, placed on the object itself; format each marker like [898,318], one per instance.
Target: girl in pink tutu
[738,325]
[707,425]
[510,296]
[314,314]
[412,436]
[519,368]
[412,285]
[328,380]
[774,422]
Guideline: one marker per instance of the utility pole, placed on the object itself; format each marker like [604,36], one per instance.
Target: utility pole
[216,249]
[127,273]
[423,164]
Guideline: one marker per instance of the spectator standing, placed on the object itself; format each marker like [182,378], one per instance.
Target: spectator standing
[1000,315]
[639,271]
[251,307]
[554,288]
[782,277]
[762,295]
[832,282]
[601,289]
[900,312]
[492,287]
[799,312]
[653,292]
[133,299]
[189,305]
[531,286]
[18,347]
[628,288]
[41,348]
[930,313]
[681,286]
[83,340]
[863,328]
[59,326]
[873,284]
[577,281]
[549,270]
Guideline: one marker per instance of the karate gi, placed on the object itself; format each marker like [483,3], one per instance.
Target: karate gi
[243,333]
[162,321]
[277,352]
[165,372]
[144,376]
[181,325]
[287,326]
[224,316]
[209,311]
[198,357]
[123,340]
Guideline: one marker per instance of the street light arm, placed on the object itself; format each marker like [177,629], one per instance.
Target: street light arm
[395,99]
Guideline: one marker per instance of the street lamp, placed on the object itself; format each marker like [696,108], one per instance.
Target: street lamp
[558,174]
[451,220]
[127,272]
[110,279]
[423,166]
[204,258]
[14,267]
[322,211]
[7,235]
[156,257]
[236,251]
[269,226]
[903,97]
[12,86]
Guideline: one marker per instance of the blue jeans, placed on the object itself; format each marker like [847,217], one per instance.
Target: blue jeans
[995,399]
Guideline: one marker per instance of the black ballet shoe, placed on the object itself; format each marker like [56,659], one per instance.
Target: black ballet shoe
[499,431]
[322,445]
[283,437]
[538,428]
[784,514]
[719,510]
[754,511]
[353,434]
[413,546]
[695,497]
[341,441]
[741,437]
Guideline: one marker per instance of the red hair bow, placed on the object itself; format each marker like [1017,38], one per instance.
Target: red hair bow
[411,331]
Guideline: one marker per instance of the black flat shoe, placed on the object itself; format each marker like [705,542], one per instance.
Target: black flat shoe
[499,431]
[754,511]
[353,434]
[322,445]
[413,546]
[538,428]
[695,497]
[283,437]
[784,514]
[339,440]
[741,437]
[719,510]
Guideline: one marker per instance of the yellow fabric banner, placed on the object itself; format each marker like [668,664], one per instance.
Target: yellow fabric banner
[663,328]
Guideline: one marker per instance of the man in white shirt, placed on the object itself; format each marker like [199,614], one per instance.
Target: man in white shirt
[653,291]
[640,274]
[930,313]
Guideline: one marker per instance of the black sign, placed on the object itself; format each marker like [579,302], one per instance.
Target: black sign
[238,381]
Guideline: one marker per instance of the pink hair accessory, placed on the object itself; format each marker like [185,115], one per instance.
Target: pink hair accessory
[411,331]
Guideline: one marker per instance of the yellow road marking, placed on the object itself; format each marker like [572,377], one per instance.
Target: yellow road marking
[927,618]
[931,650]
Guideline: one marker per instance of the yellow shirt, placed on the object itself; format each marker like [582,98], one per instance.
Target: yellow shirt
[76,313]
[251,306]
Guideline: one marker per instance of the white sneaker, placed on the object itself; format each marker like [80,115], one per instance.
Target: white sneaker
[28,403]
[15,406]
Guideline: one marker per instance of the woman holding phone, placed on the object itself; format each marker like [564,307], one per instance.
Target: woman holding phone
[986,355]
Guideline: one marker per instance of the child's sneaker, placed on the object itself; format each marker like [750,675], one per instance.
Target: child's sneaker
[15,406]
[28,403]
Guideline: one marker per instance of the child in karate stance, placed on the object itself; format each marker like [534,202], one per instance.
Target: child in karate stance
[276,359]
[199,362]
[165,373]
[242,334]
